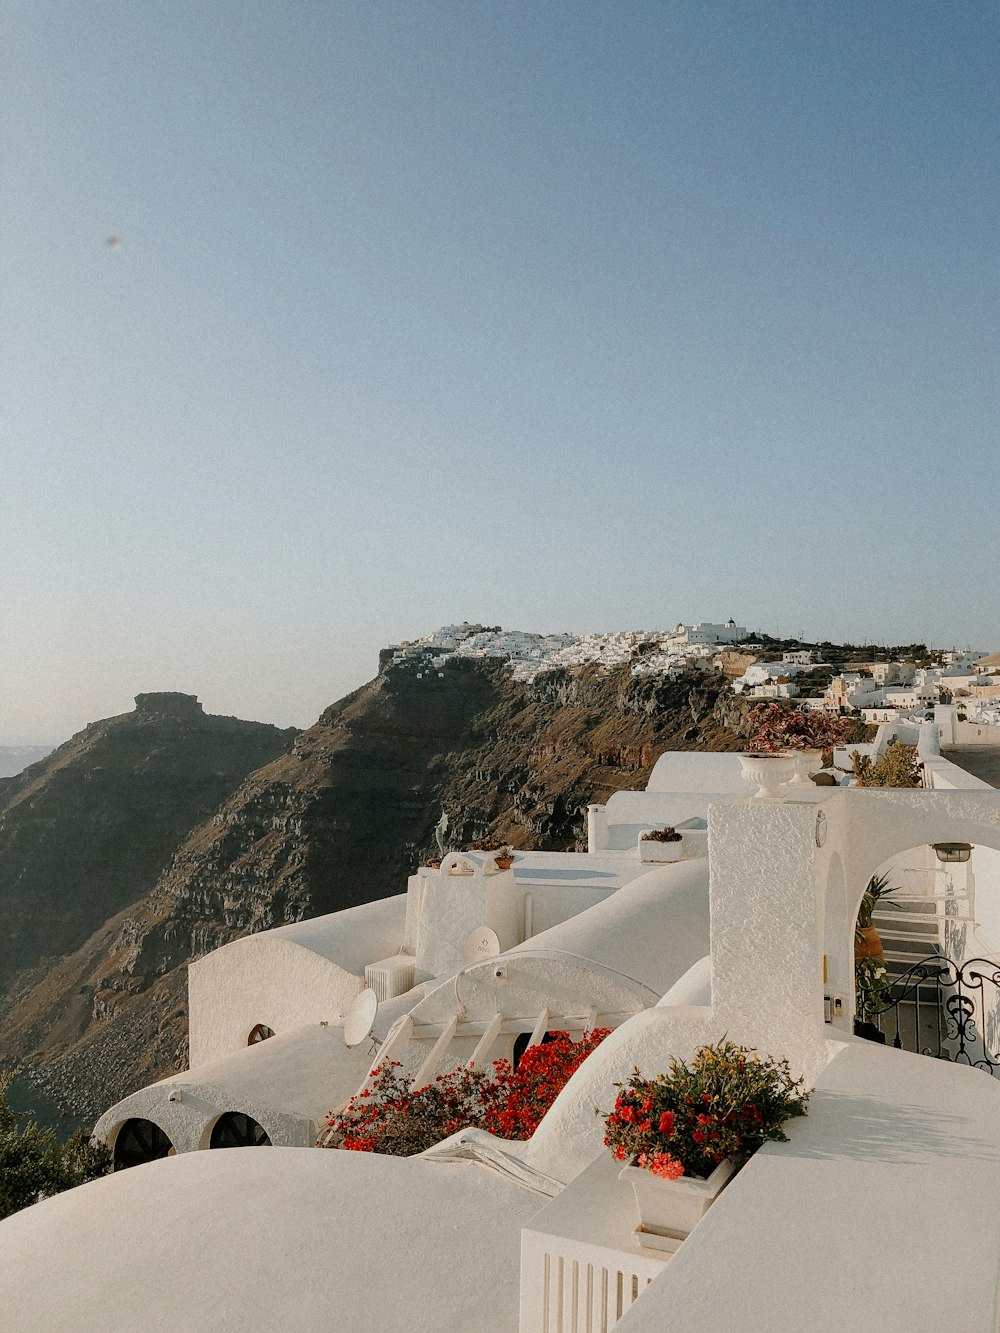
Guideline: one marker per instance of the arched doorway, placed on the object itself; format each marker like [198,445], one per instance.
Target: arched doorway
[140,1141]
[934,984]
[866,831]
[234,1129]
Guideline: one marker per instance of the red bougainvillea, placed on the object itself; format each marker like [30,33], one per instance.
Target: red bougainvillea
[527,1092]
[390,1117]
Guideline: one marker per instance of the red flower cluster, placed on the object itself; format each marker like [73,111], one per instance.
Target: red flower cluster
[527,1092]
[661,1164]
[725,1104]
[390,1117]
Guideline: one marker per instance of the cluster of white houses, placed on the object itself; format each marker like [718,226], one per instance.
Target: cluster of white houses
[881,691]
[879,1212]
[650,652]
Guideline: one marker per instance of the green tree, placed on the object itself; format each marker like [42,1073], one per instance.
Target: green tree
[33,1161]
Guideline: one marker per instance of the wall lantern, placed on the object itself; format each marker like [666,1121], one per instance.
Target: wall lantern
[951,852]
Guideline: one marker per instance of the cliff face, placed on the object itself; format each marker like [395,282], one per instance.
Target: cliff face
[88,829]
[341,819]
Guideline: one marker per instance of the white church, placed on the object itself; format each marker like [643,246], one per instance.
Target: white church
[879,1212]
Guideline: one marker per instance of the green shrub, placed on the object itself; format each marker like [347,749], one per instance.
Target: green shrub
[33,1161]
[898,766]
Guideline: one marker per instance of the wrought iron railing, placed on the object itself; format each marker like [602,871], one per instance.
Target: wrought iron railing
[936,1007]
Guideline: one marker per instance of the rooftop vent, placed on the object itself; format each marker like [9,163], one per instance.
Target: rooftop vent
[390,977]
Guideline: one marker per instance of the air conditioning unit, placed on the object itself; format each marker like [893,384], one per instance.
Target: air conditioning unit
[390,977]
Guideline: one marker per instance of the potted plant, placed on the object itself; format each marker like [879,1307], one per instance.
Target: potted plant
[684,1133]
[660,844]
[867,941]
[872,989]
[503,856]
[808,736]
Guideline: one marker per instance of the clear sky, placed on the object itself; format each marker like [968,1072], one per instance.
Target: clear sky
[559,315]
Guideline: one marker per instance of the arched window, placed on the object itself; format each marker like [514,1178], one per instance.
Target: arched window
[233,1129]
[260,1032]
[140,1141]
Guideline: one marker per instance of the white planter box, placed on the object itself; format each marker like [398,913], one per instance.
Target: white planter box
[659,853]
[673,1207]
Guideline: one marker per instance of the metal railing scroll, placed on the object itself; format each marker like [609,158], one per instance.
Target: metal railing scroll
[947,1010]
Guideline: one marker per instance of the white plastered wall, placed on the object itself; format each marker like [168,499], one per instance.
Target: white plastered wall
[453,905]
[766,977]
[286,1084]
[304,973]
[261,979]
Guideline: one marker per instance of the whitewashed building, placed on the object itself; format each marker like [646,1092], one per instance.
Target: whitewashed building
[879,1212]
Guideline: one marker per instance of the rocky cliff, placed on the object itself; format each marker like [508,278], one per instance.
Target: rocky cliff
[90,827]
[342,819]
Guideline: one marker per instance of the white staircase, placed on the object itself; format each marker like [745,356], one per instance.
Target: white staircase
[912,931]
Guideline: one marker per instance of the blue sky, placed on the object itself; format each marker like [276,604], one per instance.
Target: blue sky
[563,315]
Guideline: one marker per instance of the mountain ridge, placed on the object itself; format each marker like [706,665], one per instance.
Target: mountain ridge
[342,817]
[87,829]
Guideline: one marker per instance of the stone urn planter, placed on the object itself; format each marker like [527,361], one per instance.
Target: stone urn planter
[769,771]
[671,1209]
[503,862]
[806,763]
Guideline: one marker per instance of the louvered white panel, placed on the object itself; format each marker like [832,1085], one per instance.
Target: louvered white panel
[390,976]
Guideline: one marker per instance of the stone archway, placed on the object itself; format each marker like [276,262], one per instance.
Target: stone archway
[138,1141]
[236,1129]
[869,827]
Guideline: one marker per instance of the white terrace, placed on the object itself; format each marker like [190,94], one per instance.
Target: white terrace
[879,1212]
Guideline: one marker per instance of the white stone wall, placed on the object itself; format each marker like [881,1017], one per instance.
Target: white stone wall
[453,905]
[767,956]
[261,979]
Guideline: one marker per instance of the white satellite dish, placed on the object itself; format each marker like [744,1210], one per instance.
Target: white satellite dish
[484,942]
[360,1017]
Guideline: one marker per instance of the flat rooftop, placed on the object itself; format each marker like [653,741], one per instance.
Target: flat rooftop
[982,761]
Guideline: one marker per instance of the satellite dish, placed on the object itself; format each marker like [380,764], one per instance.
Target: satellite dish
[484,942]
[360,1017]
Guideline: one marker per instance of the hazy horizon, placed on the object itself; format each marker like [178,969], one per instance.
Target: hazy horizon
[303,722]
[573,316]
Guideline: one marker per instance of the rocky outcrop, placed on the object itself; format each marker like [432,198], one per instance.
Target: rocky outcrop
[341,819]
[90,827]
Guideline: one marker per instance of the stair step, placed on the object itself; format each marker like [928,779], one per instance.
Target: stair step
[886,923]
[908,937]
[907,959]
